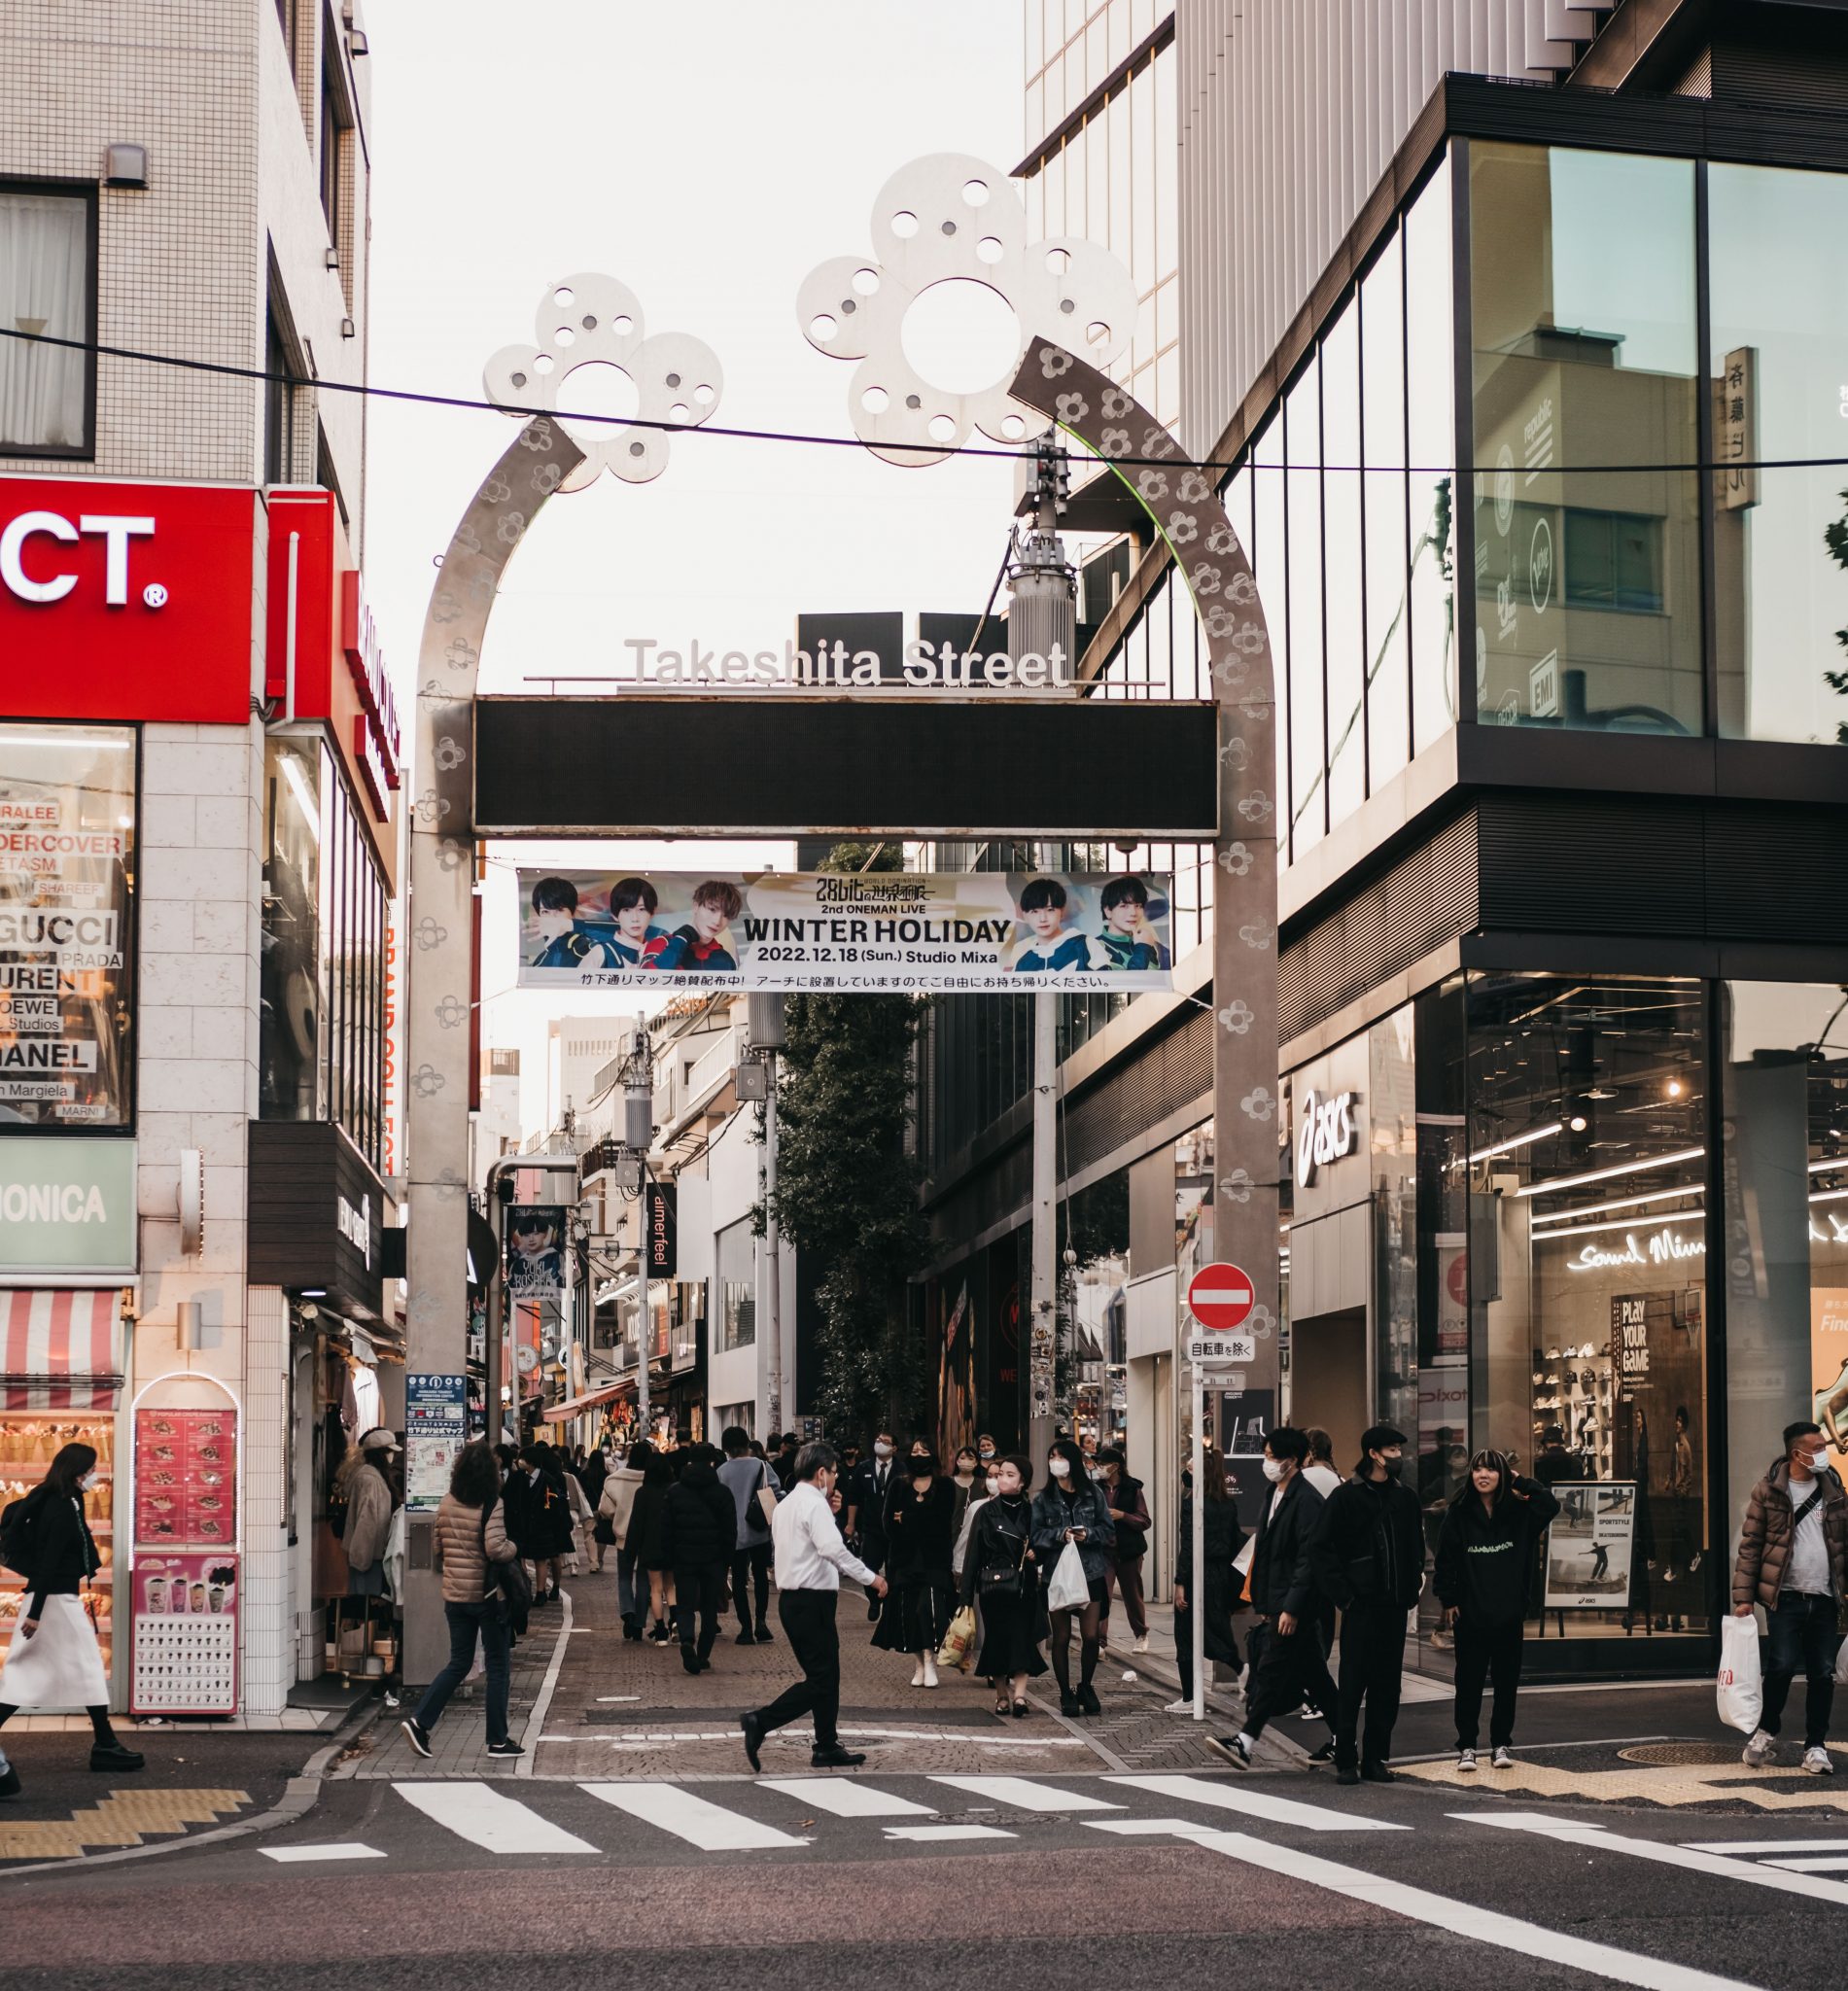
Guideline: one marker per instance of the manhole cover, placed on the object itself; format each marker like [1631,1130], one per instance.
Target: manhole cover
[1680,1755]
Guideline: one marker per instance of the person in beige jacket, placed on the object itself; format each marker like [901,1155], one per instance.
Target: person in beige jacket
[471,1535]
[615,1506]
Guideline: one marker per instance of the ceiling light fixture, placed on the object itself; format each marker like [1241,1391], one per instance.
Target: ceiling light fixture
[1593,1210]
[1502,1147]
[1667,1216]
[1562,1182]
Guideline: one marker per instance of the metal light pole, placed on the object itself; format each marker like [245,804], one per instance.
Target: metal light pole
[638,1136]
[1196,1575]
[764,1026]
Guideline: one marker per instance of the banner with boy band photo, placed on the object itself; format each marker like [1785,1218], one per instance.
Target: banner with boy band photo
[970,932]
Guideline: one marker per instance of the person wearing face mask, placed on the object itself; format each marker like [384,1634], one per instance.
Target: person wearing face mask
[1369,1558]
[999,1578]
[968,1487]
[985,1453]
[1793,1560]
[865,1502]
[1286,1658]
[1224,1539]
[1072,1507]
[53,1659]
[1486,1555]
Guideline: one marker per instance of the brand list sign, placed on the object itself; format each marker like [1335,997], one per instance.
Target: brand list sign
[67,1205]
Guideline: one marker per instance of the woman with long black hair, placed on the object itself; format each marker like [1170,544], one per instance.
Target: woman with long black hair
[920,1539]
[1072,1507]
[1000,1575]
[54,1659]
[1485,1555]
[1224,1539]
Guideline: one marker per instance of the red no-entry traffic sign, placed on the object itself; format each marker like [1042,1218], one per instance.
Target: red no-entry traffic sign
[1220,1297]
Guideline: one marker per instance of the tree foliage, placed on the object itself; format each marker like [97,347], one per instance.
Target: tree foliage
[846,1192]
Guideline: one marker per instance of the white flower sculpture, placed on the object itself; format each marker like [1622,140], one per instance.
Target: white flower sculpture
[589,320]
[943,218]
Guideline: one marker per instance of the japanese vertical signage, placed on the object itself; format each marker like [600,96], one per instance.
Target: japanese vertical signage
[1735,430]
[67,827]
[435,1429]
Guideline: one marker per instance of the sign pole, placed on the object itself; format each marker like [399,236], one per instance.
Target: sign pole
[639,1134]
[1196,1575]
[1043,1335]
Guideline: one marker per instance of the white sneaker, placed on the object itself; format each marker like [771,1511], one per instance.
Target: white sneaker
[1503,1759]
[1817,1763]
[1466,1763]
[1237,1750]
[1141,1645]
[1761,1750]
[917,1674]
[929,1671]
[1178,1707]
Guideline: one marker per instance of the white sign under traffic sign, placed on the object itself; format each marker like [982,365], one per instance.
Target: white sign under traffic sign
[1217,1350]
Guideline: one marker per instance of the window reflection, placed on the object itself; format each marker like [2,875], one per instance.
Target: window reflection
[1384,498]
[1302,445]
[1431,444]
[1342,563]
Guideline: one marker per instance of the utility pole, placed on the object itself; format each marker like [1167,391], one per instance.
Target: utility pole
[764,1027]
[1042,616]
[638,1136]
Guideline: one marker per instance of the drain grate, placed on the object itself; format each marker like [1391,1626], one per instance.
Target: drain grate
[1680,1755]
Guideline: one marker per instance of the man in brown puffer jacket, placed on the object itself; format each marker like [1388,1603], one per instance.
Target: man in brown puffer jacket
[1794,1561]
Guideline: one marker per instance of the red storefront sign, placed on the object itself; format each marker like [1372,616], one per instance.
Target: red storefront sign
[126,601]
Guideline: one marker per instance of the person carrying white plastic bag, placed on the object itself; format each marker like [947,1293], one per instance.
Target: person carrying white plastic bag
[1792,1561]
[1740,1685]
[1071,1521]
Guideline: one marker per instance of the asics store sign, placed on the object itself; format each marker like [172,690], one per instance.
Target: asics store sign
[126,601]
[1325,1133]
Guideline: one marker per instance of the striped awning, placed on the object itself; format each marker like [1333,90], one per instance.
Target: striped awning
[61,1348]
[572,1406]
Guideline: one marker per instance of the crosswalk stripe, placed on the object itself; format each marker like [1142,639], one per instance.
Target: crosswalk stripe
[481,1815]
[349,1849]
[1595,1839]
[845,1797]
[708,1826]
[933,1833]
[1837,1864]
[1480,1924]
[1022,1794]
[1258,1804]
[1767,1846]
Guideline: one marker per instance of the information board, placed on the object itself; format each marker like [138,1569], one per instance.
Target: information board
[184,1634]
[435,1429]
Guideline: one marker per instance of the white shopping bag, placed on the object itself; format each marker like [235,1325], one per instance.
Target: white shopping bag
[1070,1587]
[1842,1663]
[1742,1686]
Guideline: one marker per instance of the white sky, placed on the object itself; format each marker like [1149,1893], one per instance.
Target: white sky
[709,154]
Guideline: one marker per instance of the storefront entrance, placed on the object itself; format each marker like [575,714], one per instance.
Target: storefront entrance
[1329,1384]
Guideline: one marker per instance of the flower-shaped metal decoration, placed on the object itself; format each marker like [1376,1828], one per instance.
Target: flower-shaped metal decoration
[941,219]
[588,321]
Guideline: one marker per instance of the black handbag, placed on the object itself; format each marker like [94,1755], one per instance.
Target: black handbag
[507,1587]
[1003,1579]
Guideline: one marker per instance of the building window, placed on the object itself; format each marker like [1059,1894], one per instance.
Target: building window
[1584,325]
[735,1257]
[280,393]
[335,121]
[47,288]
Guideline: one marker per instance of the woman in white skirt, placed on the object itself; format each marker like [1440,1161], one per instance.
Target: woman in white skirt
[53,1659]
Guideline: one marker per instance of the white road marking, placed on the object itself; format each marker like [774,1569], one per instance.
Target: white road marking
[1767,1845]
[697,1820]
[845,1797]
[1480,1924]
[1837,1864]
[543,1706]
[1258,1804]
[1021,1795]
[1595,1838]
[932,1834]
[483,1816]
[604,1697]
[349,1849]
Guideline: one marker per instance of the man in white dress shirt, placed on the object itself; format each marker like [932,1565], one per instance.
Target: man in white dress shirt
[810,1560]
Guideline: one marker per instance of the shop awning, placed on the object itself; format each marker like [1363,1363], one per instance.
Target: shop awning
[572,1406]
[61,1348]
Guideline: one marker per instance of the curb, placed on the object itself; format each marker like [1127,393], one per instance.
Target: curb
[297,1799]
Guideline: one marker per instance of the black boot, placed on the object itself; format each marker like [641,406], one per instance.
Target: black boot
[111,1755]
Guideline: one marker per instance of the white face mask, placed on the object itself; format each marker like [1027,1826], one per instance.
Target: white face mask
[88,1481]
[994,1486]
[1817,1462]
[1273,1470]
[882,1451]
[1058,1468]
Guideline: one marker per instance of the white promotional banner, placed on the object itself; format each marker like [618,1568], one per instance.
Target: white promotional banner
[966,932]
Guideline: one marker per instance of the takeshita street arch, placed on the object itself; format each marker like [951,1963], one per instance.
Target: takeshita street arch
[1056,388]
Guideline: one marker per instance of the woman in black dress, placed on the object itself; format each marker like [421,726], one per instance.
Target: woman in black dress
[648,1537]
[1001,1573]
[920,1535]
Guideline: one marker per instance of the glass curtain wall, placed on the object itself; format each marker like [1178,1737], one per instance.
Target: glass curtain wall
[1585,355]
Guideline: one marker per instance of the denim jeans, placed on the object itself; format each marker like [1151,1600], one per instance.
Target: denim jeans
[627,1605]
[1802,1635]
[465,1622]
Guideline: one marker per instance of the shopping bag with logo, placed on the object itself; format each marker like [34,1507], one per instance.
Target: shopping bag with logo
[960,1640]
[1741,1685]
[1069,1589]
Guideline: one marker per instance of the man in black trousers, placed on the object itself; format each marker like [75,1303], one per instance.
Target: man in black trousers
[810,1560]
[1369,1555]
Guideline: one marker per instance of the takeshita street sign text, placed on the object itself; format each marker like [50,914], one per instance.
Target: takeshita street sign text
[923,666]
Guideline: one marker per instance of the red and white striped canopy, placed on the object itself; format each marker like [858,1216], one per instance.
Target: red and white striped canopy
[61,1348]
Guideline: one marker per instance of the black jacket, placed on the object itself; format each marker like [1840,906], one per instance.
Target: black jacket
[648,1519]
[1057,1509]
[1484,1560]
[1225,1537]
[63,1555]
[1370,1544]
[700,1522]
[867,1497]
[1282,1572]
[920,1533]
[1000,1537]
[1126,1497]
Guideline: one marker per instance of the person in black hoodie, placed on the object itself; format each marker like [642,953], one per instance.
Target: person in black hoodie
[1486,1555]
[1370,1562]
[1130,1510]
[701,1528]
[647,1536]
[1224,1539]
[1286,1656]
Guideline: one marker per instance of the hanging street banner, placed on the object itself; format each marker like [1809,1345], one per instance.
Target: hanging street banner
[970,932]
[536,1251]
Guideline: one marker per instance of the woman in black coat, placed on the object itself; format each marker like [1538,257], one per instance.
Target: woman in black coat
[540,1522]
[647,1536]
[1002,1575]
[920,1536]
[1072,1507]
[1224,1539]
[700,1522]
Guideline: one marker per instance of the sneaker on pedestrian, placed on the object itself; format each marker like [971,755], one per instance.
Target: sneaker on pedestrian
[1347,1773]
[1761,1750]
[1141,1645]
[1308,1712]
[1817,1762]
[1237,1750]
[419,1735]
[1178,1707]
[1466,1763]
[506,1747]
[1503,1759]
[1325,1753]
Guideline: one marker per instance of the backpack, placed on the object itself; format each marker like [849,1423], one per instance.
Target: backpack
[18,1531]
[507,1587]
